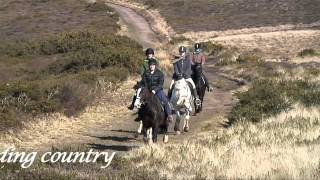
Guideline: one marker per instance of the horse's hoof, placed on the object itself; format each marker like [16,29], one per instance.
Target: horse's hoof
[178,133]
[165,138]
[136,135]
[186,129]
[145,140]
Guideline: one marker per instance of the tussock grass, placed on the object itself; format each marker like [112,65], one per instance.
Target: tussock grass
[284,146]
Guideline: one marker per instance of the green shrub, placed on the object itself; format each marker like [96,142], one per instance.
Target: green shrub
[69,83]
[269,97]
[308,52]
[98,6]
[178,39]
[212,48]
[263,99]
[152,4]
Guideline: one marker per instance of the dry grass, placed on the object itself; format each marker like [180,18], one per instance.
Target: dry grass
[285,146]
[59,130]
[221,15]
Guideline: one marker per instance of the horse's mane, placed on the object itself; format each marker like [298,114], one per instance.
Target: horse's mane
[151,100]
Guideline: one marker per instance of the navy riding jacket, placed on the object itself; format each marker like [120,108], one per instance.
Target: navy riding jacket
[182,68]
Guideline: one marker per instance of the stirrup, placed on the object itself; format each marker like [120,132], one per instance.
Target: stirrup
[198,101]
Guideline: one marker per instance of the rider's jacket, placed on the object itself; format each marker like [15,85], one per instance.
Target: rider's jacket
[153,81]
[145,66]
[182,68]
[198,58]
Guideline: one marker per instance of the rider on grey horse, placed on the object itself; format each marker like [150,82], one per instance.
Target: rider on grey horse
[144,67]
[197,60]
[182,69]
[153,79]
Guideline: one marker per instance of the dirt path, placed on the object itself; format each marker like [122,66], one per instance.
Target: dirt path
[137,26]
[111,127]
[119,135]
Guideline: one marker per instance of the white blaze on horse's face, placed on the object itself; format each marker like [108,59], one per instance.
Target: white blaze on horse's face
[137,103]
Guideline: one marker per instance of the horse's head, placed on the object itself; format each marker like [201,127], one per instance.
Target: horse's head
[138,102]
[143,95]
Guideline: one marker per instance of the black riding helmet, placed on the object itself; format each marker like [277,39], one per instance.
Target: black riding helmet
[197,46]
[182,49]
[149,51]
[152,62]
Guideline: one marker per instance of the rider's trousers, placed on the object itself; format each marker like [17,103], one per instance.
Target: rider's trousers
[164,100]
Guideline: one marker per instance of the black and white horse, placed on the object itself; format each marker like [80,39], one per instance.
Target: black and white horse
[181,100]
[152,116]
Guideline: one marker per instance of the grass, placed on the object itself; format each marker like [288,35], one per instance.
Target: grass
[59,70]
[65,84]
[217,15]
[236,152]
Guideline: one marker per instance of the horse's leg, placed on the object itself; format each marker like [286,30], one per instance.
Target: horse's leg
[202,96]
[177,124]
[165,137]
[140,127]
[186,121]
[155,133]
[149,135]
[145,134]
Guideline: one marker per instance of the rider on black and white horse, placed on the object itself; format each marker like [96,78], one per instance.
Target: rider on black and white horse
[182,69]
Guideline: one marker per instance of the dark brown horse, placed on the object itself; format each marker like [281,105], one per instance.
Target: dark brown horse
[152,115]
[200,85]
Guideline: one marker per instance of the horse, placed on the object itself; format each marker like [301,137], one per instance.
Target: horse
[181,100]
[197,78]
[152,116]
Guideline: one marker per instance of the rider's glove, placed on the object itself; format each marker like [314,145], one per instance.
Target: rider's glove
[153,91]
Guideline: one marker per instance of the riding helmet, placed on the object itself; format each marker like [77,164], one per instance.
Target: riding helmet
[182,49]
[149,51]
[152,61]
[197,46]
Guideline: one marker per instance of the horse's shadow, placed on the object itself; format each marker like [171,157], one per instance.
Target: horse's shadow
[111,147]
[124,131]
[114,138]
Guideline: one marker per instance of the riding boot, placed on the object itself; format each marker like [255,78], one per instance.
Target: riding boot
[196,97]
[168,111]
[170,92]
[131,107]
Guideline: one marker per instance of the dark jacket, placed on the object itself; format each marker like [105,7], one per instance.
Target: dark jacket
[153,81]
[182,68]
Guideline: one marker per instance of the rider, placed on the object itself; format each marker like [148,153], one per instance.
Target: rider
[153,79]
[144,67]
[198,58]
[182,69]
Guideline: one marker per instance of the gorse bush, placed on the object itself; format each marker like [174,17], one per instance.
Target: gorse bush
[264,98]
[69,83]
[152,4]
[269,97]
[308,52]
